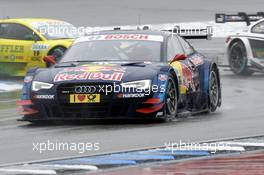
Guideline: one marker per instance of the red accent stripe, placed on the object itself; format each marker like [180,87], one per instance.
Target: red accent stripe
[153,101]
[26,111]
[49,59]
[23,110]
[24,102]
[151,109]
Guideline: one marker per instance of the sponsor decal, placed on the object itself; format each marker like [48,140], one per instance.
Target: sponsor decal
[187,77]
[38,47]
[11,48]
[115,76]
[197,60]
[85,89]
[28,79]
[12,57]
[35,58]
[163,77]
[19,57]
[159,114]
[85,98]
[46,97]
[137,95]
[36,52]
[143,37]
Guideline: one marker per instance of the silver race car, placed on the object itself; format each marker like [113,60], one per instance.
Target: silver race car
[245,50]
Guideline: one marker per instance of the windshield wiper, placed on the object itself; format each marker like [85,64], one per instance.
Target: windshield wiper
[71,63]
[65,64]
[74,63]
[139,63]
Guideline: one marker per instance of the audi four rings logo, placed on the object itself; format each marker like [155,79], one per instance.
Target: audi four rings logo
[85,89]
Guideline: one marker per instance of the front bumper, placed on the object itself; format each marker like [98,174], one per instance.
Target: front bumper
[111,106]
[116,109]
[136,108]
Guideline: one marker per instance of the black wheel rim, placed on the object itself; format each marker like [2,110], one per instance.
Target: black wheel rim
[171,98]
[213,90]
[237,59]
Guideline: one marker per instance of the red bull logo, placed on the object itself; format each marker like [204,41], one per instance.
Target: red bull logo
[115,76]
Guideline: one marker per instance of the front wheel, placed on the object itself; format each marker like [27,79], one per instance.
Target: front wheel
[171,99]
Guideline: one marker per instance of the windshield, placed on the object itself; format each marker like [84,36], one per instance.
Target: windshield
[53,30]
[123,50]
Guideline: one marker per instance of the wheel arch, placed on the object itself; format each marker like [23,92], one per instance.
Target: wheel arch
[207,67]
[233,41]
[246,44]
[54,47]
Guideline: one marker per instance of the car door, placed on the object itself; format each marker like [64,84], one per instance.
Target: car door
[256,41]
[16,43]
[184,73]
[191,65]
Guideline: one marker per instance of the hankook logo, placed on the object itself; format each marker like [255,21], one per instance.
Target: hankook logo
[85,89]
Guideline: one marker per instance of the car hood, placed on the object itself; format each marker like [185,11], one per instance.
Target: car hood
[100,72]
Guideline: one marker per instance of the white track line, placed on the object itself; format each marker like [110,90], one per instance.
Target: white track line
[72,167]
[260,144]
[28,171]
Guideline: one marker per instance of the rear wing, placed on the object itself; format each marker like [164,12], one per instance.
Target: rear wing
[240,17]
[193,33]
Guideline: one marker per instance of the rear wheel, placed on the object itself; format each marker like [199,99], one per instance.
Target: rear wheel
[214,90]
[238,59]
[57,53]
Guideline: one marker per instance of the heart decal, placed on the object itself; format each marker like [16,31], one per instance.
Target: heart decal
[81,97]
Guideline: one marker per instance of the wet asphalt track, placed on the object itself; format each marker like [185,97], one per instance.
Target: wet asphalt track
[242,112]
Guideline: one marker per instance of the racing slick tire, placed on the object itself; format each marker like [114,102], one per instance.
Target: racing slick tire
[171,100]
[57,53]
[237,58]
[214,94]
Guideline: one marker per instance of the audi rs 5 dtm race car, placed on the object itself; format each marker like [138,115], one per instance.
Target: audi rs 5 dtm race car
[129,74]
[24,42]
[245,50]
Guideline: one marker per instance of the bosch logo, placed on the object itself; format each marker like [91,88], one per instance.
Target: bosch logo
[85,89]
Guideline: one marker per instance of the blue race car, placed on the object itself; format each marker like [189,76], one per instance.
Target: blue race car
[132,74]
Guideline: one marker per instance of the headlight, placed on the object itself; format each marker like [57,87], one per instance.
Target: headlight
[142,84]
[37,85]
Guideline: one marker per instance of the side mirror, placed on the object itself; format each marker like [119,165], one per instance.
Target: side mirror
[49,60]
[178,57]
[35,36]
